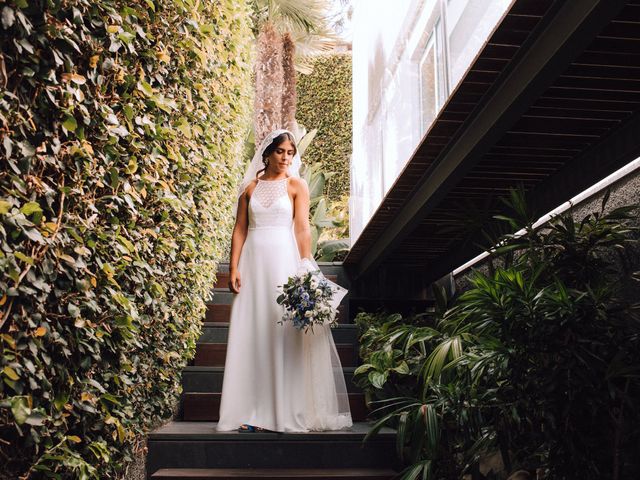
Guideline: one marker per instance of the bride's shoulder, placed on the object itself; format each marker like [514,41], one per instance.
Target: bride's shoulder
[248,190]
[299,184]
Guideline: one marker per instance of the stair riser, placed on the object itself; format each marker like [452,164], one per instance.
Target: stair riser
[221,311]
[218,313]
[214,355]
[205,407]
[211,382]
[274,453]
[219,334]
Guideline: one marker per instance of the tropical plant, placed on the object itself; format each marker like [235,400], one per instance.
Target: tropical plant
[308,23]
[284,27]
[539,360]
[319,217]
[334,242]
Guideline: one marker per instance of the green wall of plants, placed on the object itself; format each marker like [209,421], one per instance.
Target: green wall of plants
[325,103]
[118,136]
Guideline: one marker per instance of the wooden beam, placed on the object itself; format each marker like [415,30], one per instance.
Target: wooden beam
[614,152]
[569,32]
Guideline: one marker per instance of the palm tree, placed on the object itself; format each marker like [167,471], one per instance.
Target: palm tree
[288,32]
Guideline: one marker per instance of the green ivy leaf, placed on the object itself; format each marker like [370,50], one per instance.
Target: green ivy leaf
[4,207]
[70,124]
[73,310]
[10,373]
[31,207]
[23,257]
[8,17]
[20,409]
[145,87]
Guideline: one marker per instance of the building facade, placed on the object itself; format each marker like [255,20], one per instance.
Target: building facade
[408,57]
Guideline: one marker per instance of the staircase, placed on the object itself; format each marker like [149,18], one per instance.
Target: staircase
[191,448]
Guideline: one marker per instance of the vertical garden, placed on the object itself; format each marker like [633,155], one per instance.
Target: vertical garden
[325,103]
[120,125]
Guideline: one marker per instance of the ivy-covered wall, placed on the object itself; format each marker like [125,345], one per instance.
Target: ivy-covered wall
[119,123]
[324,102]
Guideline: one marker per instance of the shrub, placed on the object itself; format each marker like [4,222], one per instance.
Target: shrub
[538,360]
[324,103]
[119,127]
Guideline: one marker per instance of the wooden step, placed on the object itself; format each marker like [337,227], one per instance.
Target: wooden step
[214,354]
[205,406]
[209,379]
[197,445]
[220,312]
[273,473]
[217,332]
[222,280]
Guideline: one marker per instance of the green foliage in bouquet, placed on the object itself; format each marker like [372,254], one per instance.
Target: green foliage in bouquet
[538,360]
[118,127]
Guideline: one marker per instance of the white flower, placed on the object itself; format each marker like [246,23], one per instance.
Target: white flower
[318,292]
[308,314]
[314,283]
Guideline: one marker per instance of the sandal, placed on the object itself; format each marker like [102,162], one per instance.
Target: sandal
[245,428]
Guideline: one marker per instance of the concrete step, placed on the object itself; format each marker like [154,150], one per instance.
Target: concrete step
[205,406]
[217,332]
[214,354]
[273,473]
[209,379]
[197,445]
[219,310]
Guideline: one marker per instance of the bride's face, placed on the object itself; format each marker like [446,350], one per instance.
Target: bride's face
[281,157]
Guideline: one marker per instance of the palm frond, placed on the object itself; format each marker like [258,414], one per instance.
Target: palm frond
[294,15]
[307,22]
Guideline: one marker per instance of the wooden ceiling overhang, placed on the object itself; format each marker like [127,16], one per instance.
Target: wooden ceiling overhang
[552,103]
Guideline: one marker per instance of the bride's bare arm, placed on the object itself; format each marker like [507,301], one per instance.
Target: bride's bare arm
[301,225]
[238,238]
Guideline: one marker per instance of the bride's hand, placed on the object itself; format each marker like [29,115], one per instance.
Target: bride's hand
[234,281]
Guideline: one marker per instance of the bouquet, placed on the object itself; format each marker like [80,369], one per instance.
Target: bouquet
[308,300]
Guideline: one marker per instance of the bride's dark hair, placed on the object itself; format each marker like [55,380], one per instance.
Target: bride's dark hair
[277,141]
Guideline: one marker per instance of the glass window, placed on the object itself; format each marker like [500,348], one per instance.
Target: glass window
[433,90]
[428,85]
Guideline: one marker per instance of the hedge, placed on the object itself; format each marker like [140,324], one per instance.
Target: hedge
[120,123]
[324,102]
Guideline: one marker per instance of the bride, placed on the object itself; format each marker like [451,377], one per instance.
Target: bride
[276,377]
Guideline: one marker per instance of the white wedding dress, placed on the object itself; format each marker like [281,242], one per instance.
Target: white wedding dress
[275,376]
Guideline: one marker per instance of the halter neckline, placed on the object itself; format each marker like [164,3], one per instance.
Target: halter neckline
[279,180]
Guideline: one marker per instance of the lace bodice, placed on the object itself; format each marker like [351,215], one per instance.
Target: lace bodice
[269,205]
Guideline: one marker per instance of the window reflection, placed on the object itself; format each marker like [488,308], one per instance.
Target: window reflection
[408,56]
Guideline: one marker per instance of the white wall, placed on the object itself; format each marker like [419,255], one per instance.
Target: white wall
[391,39]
